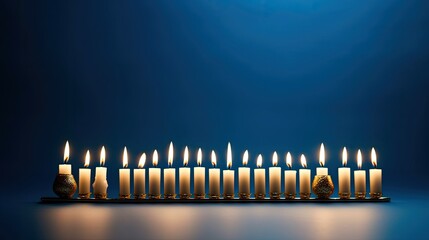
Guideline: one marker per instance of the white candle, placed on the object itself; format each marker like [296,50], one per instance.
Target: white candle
[244,177]
[185,176]
[290,179]
[140,178]
[154,178]
[360,178]
[199,177]
[65,168]
[85,178]
[170,176]
[304,180]
[228,176]
[214,178]
[375,177]
[344,178]
[275,178]
[124,177]
[259,175]
[322,170]
[100,184]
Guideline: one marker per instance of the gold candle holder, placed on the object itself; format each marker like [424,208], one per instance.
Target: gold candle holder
[259,196]
[228,196]
[360,195]
[185,196]
[290,196]
[214,196]
[100,195]
[375,195]
[304,195]
[199,196]
[323,186]
[154,196]
[140,196]
[84,195]
[344,195]
[124,196]
[275,195]
[64,185]
[169,196]
[244,195]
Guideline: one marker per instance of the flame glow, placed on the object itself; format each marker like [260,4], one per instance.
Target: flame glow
[245,158]
[213,158]
[259,161]
[142,160]
[303,161]
[275,159]
[199,157]
[102,156]
[87,158]
[186,157]
[344,156]
[170,154]
[289,160]
[373,158]
[155,158]
[125,158]
[322,155]
[359,159]
[229,156]
[66,152]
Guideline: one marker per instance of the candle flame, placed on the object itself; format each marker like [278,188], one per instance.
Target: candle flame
[359,159]
[229,156]
[142,160]
[87,159]
[322,155]
[155,158]
[213,158]
[373,157]
[125,158]
[102,156]
[289,160]
[66,152]
[199,157]
[275,158]
[170,154]
[259,161]
[186,157]
[245,158]
[303,161]
[344,156]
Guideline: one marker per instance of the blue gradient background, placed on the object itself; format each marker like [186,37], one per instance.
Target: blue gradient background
[265,75]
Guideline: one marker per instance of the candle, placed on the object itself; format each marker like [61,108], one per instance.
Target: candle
[244,178]
[344,178]
[170,176]
[214,179]
[65,168]
[322,170]
[199,177]
[275,178]
[228,176]
[140,179]
[374,177]
[304,180]
[360,178]
[185,177]
[85,179]
[290,179]
[124,177]
[100,184]
[259,175]
[154,178]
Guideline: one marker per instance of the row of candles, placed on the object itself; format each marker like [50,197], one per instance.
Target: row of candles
[100,184]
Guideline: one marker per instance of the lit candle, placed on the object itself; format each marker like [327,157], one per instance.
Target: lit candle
[214,179]
[275,178]
[85,179]
[360,178]
[199,177]
[228,176]
[290,179]
[322,170]
[100,184]
[124,177]
[244,178]
[185,177]
[374,177]
[65,168]
[140,179]
[344,178]
[259,175]
[154,178]
[304,180]
[170,176]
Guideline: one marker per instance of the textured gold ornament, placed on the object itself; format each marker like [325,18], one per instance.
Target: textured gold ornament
[64,185]
[323,186]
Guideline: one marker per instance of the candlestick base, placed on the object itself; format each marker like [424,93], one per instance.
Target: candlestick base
[304,195]
[375,195]
[244,195]
[169,195]
[199,196]
[290,196]
[154,196]
[140,196]
[214,196]
[360,195]
[124,196]
[259,195]
[84,195]
[185,196]
[323,186]
[228,196]
[100,195]
[344,195]
[64,185]
[275,195]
